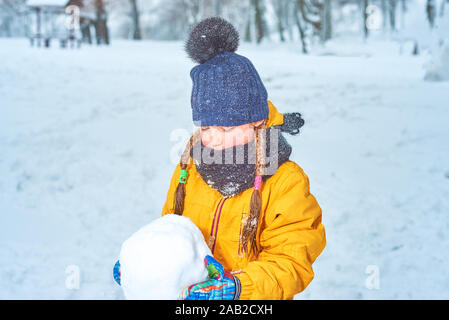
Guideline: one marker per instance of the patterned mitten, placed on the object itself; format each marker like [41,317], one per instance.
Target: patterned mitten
[221,286]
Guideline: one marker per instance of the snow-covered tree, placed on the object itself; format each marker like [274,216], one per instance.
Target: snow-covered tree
[392,14]
[431,11]
[279,8]
[318,13]
[135,17]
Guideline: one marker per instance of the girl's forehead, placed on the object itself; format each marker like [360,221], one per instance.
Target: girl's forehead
[227,127]
[223,128]
[243,126]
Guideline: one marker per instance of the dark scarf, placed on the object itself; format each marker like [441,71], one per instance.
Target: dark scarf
[233,178]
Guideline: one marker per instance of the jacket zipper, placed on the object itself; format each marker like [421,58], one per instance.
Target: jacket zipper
[214,229]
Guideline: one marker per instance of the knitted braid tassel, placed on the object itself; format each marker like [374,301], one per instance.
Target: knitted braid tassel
[181,188]
[249,232]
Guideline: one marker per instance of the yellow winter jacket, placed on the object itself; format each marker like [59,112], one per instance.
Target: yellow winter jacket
[290,235]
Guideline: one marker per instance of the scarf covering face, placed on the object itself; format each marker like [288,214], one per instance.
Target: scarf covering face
[232,170]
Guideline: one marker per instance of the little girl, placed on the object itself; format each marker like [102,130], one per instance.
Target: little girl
[235,180]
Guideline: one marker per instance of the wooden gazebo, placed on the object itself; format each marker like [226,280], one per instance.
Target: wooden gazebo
[51,21]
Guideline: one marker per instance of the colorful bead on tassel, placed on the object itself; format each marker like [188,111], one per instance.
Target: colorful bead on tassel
[183,176]
[257,182]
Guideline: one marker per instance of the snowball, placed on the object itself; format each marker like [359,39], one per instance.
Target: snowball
[163,258]
[438,68]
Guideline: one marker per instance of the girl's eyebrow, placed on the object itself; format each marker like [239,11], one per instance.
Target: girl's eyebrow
[219,128]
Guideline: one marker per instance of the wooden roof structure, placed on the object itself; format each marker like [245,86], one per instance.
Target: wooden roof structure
[47,4]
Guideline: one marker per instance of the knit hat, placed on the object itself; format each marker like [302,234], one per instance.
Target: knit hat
[227,90]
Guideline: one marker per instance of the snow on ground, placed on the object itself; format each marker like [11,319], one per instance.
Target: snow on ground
[85,161]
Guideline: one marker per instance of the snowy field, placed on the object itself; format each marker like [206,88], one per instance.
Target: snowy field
[85,161]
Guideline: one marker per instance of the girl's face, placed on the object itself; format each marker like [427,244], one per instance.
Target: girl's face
[219,138]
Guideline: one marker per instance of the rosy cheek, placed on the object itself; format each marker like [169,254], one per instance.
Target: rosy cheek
[205,138]
[212,139]
[237,137]
[249,134]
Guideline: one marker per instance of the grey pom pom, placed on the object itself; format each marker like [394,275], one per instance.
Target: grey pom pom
[210,37]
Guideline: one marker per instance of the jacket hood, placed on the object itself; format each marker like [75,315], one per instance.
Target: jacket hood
[275,118]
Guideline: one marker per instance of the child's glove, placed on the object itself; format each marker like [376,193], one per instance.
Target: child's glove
[292,123]
[116,272]
[221,286]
